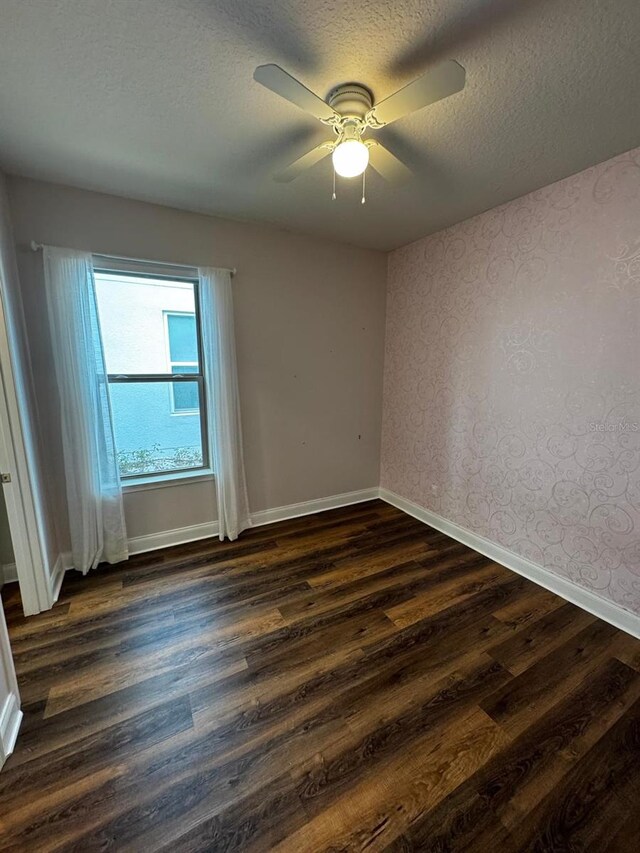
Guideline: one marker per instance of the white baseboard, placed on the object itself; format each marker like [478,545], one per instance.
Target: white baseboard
[183,535]
[282,513]
[8,573]
[10,719]
[62,564]
[578,595]
[167,538]
[584,598]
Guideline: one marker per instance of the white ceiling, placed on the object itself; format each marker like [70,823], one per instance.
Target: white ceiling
[154,99]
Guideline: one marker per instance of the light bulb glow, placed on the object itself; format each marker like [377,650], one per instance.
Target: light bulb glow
[350,158]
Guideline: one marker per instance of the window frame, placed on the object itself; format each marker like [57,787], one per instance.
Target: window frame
[138,270]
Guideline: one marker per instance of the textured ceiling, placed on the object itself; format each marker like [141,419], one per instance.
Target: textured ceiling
[155,100]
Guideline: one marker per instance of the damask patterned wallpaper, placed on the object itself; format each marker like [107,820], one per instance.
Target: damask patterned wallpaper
[512,377]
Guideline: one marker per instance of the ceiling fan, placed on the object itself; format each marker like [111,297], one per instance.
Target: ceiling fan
[351,112]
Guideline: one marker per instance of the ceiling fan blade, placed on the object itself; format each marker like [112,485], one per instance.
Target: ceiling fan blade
[275,78]
[387,164]
[305,162]
[443,80]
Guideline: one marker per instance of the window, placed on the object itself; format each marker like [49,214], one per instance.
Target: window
[151,338]
[183,359]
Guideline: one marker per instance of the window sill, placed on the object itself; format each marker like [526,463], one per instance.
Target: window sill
[163,481]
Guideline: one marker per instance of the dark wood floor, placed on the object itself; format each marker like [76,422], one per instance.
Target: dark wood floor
[346,681]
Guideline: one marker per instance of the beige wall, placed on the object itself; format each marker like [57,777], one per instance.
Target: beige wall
[310,337]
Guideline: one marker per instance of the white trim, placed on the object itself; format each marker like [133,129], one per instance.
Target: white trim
[62,565]
[570,591]
[10,719]
[182,535]
[584,598]
[23,511]
[162,481]
[282,513]
[148,276]
[177,536]
[10,714]
[129,266]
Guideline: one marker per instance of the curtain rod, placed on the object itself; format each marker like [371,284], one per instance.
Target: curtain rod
[35,247]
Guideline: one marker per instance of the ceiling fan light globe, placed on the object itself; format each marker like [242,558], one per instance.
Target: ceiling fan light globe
[350,158]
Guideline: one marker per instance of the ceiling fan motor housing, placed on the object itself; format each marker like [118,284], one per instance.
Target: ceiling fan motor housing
[351,100]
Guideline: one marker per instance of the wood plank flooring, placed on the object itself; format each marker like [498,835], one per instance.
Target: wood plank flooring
[346,681]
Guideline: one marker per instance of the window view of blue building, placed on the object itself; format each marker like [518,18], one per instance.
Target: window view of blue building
[183,351]
[150,339]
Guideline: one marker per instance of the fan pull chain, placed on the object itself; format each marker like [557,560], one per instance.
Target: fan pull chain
[333,197]
[363,187]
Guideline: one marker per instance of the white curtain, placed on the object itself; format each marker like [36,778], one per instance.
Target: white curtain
[223,401]
[94,492]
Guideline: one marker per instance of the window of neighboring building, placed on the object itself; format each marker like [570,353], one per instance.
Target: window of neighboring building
[151,338]
[182,346]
